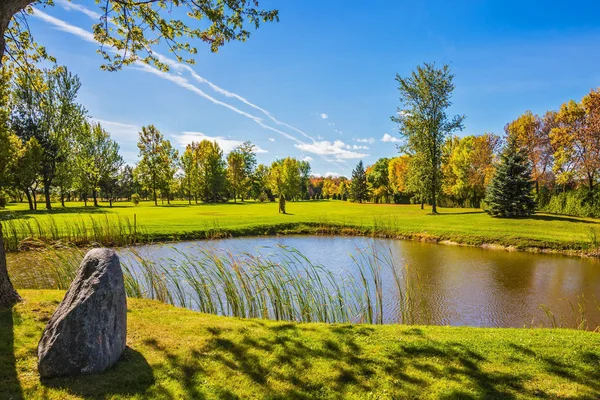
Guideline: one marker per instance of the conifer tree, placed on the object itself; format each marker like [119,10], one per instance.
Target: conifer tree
[358,186]
[510,192]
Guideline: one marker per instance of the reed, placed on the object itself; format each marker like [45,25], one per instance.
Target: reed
[35,233]
[288,287]
[578,316]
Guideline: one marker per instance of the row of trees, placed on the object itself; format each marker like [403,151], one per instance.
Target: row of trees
[466,169]
[560,152]
[49,147]
[203,173]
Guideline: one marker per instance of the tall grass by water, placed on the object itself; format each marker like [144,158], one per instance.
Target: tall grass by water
[30,233]
[289,288]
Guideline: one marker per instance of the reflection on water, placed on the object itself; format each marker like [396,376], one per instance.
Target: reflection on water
[457,285]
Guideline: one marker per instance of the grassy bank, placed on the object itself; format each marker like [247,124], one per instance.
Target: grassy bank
[177,353]
[180,221]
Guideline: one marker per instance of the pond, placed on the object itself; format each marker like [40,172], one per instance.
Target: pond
[421,283]
[456,285]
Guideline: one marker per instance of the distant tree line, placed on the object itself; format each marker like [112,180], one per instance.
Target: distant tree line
[51,150]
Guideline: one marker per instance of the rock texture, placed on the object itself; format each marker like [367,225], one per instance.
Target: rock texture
[87,332]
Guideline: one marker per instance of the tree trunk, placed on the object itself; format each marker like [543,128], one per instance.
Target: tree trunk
[62,199]
[155,199]
[95,196]
[29,200]
[34,199]
[8,294]
[47,195]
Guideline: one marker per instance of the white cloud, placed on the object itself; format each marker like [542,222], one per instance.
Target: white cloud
[307,158]
[357,147]
[122,133]
[327,174]
[324,116]
[271,139]
[365,140]
[67,5]
[226,144]
[389,138]
[327,148]
[65,27]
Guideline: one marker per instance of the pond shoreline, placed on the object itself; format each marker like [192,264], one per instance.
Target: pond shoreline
[319,229]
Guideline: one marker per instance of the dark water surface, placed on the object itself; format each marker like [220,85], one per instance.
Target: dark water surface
[457,285]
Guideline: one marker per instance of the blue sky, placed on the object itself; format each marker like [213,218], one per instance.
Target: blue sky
[319,85]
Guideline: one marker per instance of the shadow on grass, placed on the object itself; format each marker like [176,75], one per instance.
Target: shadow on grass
[459,213]
[560,218]
[280,361]
[22,214]
[130,376]
[10,388]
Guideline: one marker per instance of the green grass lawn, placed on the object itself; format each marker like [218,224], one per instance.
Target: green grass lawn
[468,226]
[174,353]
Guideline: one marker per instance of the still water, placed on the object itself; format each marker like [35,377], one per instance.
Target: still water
[457,285]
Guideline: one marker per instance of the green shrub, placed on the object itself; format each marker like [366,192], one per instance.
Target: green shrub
[135,199]
[3,200]
[262,197]
[580,203]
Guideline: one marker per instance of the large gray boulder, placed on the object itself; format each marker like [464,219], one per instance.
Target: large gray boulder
[87,332]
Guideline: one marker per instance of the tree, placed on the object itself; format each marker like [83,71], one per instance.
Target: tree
[236,173]
[260,182]
[358,186]
[127,185]
[168,182]
[46,108]
[156,161]
[530,132]
[99,160]
[26,169]
[285,179]
[468,167]
[188,165]
[398,173]
[378,180]
[9,145]
[128,29]
[576,141]
[423,123]
[481,168]
[510,192]
[211,171]
[304,168]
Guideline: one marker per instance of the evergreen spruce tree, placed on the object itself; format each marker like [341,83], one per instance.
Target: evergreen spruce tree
[510,192]
[358,186]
